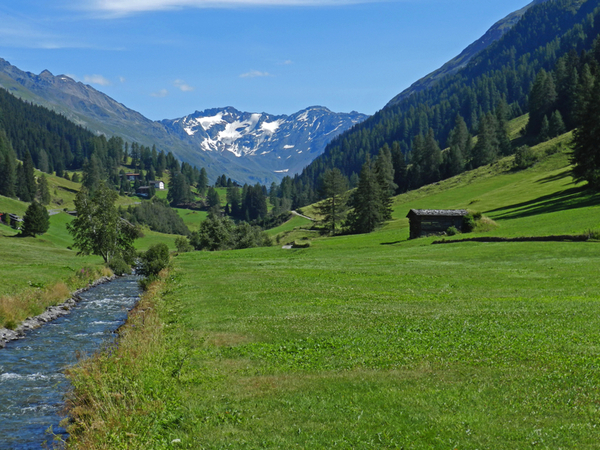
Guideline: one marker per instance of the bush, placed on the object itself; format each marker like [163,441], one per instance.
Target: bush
[452,231]
[183,245]
[119,266]
[525,157]
[297,244]
[154,260]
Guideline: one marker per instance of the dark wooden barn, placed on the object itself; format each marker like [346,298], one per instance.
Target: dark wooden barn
[424,222]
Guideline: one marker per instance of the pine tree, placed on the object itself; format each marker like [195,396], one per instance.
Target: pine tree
[202,182]
[179,190]
[212,198]
[544,130]
[557,126]
[334,188]
[92,175]
[542,101]
[36,220]
[586,153]
[366,201]
[8,174]
[384,171]
[460,143]
[29,182]
[400,168]
[486,149]
[43,193]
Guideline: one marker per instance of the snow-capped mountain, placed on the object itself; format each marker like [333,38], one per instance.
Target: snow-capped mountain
[249,148]
[282,144]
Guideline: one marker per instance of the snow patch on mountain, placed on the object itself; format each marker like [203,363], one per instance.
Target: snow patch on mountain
[272,141]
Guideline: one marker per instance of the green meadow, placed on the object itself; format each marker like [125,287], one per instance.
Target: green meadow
[371,341]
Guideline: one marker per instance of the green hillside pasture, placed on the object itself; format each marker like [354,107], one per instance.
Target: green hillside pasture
[152,237]
[31,265]
[538,201]
[296,228]
[192,219]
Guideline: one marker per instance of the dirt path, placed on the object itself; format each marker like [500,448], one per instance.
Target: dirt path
[303,216]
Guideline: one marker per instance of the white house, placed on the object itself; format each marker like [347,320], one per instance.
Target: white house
[157,185]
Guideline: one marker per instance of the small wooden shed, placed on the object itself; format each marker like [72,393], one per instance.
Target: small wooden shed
[424,222]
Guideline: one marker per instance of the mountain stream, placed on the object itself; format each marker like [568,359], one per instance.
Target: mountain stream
[32,382]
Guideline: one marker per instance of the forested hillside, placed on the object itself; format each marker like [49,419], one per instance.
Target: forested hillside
[494,87]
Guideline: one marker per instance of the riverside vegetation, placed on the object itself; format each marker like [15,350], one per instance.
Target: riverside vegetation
[370,340]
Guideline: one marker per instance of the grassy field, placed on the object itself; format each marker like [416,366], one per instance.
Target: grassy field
[372,341]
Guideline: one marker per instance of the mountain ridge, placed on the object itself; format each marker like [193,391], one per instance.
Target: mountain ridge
[88,107]
[492,35]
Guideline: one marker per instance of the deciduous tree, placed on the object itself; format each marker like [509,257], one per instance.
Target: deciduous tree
[98,229]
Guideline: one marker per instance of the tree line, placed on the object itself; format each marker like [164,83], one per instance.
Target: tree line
[500,83]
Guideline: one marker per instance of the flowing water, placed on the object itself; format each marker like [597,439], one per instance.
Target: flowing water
[32,383]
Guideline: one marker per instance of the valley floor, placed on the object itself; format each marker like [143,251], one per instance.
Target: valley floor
[372,340]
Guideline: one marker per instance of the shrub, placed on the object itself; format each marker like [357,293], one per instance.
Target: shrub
[525,157]
[154,260]
[452,231]
[183,245]
[119,266]
[297,244]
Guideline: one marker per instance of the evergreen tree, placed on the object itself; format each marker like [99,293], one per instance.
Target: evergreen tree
[460,143]
[92,175]
[334,188]
[384,171]
[29,181]
[202,182]
[212,198]
[36,220]
[43,193]
[486,149]
[8,174]
[22,189]
[586,152]
[504,144]
[234,201]
[557,125]
[542,101]
[179,190]
[366,201]
[544,130]
[400,169]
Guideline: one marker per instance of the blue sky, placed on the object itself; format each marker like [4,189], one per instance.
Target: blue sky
[169,58]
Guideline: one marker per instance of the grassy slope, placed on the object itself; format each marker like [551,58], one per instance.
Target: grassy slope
[376,341]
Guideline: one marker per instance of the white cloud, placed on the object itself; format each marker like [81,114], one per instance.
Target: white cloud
[255,74]
[122,79]
[160,94]
[124,7]
[287,62]
[183,86]
[96,79]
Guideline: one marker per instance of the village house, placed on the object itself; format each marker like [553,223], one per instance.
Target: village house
[143,191]
[157,185]
[132,176]
[425,222]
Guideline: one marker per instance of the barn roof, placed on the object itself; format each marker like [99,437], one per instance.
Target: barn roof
[437,212]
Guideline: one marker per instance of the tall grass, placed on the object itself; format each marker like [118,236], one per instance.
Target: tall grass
[127,395]
[33,301]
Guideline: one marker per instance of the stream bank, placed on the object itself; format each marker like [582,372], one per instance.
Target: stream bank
[51,313]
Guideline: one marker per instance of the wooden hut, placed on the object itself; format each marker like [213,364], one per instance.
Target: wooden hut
[424,222]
